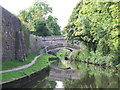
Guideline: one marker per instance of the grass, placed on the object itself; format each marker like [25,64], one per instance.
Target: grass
[40,63]
[16,63]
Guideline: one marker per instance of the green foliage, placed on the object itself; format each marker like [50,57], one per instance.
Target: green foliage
[61,54]
[3,20]
[95,57]
[96,25]
[41,28]
[36,19]
[26,35]
[63,66]
[53,27]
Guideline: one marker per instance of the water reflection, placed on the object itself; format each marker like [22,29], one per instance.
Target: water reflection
[59,84]
[93,77]
[84,76]
[81,76]
[45,84]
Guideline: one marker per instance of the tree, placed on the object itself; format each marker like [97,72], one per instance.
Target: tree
[36,17]
[53,26]
[41,28]
[96,25]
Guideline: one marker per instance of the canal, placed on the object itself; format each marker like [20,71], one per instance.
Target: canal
[80,76]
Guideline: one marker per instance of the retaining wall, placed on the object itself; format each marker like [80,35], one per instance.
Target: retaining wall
[12,39]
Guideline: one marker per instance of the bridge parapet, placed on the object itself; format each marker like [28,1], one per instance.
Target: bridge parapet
[53,38]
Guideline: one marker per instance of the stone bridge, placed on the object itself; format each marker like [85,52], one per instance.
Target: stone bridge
[52,49]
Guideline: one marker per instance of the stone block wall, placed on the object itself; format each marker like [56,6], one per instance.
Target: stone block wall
[12,41]
[53,40]
[35,44]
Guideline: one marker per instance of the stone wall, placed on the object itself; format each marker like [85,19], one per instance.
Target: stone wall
[53,40]
[12,41]
[37,42]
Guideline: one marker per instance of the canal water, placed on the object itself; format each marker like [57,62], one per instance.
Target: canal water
[80,76]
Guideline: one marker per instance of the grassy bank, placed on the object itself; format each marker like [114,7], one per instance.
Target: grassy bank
[16,63]
[40,63]
[61,54]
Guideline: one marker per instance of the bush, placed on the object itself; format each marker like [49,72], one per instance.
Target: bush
[61,54]
[97,57]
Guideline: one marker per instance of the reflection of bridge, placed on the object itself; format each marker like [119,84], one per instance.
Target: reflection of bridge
[52,49]
[54,44]
[58,74]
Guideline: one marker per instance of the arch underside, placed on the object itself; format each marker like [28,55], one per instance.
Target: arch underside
[53,51]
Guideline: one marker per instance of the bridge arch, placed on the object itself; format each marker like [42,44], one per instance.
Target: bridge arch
[52,49]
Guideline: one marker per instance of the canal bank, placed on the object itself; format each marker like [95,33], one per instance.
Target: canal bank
[39,64]
[28,81]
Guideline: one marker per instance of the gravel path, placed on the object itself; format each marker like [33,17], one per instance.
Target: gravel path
[25,66]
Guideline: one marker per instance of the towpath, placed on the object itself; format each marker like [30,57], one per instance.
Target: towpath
[24,66]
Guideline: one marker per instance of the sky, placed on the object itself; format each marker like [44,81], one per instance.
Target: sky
[62,9]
